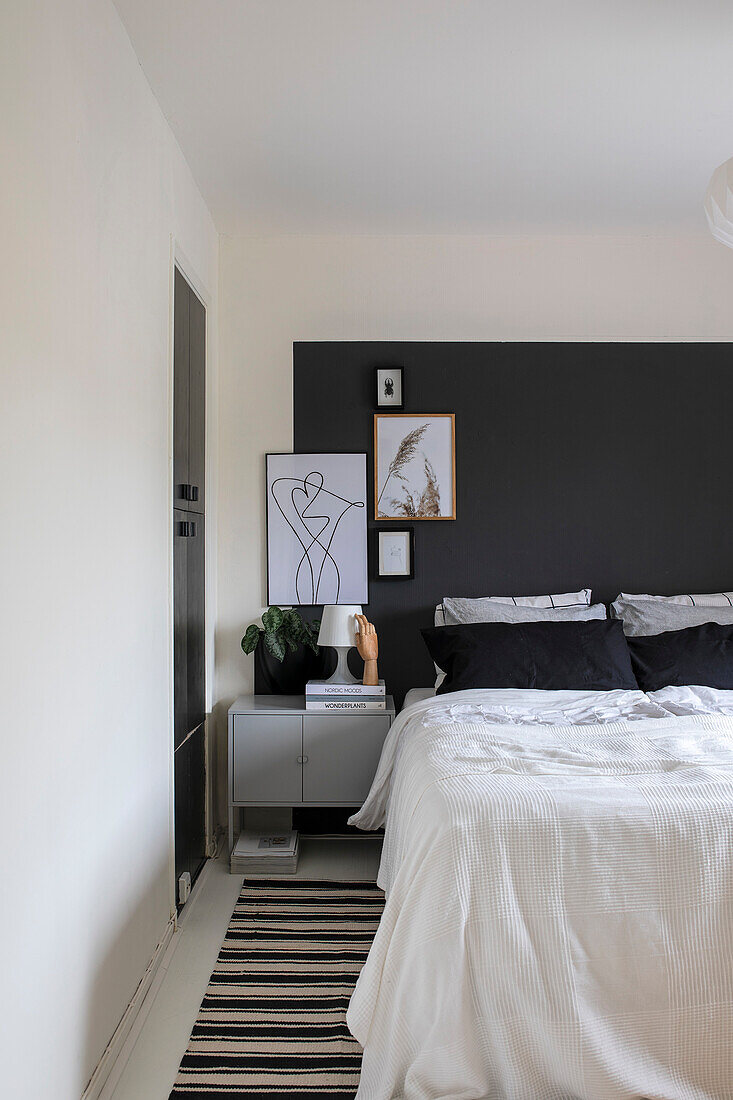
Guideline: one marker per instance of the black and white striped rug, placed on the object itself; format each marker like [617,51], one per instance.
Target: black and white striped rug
[273,1020]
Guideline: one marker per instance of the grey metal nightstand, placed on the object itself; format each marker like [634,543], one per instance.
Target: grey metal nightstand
[281,754]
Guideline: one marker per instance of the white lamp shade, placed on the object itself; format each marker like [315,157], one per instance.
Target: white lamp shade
[719,203]
[338,624]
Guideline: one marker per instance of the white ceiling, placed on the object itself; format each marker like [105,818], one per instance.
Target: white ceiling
[444,116]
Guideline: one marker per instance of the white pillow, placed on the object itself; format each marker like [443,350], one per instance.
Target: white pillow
[563,599]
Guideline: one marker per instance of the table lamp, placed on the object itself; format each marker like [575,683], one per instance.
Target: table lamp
[338,629]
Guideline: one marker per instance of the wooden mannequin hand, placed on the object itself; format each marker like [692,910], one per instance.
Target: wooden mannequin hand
[366,639]
[368,646]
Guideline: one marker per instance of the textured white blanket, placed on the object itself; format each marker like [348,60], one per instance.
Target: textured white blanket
[559,917]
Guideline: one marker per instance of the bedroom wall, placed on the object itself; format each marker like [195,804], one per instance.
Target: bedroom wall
[279,290]
[92,190]
[579,465]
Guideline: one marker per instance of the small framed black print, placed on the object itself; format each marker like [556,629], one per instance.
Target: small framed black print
[394,554]
[390,388]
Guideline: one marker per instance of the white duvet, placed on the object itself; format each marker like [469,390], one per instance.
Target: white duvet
[559,917]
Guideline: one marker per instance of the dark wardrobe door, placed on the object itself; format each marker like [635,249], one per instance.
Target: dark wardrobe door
[181,355]
[196,404]
[182,726]
[190,824]
[197,800]
[189,639]
[189,648]
[183,826]
[195,614]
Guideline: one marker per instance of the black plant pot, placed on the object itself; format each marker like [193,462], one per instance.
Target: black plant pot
[289,676]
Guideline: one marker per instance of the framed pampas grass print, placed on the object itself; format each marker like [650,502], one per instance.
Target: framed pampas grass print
[414,466]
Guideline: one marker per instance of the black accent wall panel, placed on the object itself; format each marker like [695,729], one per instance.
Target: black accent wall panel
[605,465]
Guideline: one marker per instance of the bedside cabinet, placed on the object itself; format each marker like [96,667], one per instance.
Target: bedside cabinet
[281,754]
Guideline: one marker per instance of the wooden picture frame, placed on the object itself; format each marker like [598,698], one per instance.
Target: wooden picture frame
[414,466]
[380,538]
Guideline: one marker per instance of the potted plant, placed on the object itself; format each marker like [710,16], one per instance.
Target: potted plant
[286,652]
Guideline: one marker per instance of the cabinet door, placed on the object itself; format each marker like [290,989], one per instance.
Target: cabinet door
[182,819]
[181,341]
[197,403]
[182,726]
[190,805]
[196,809]
[342,752]
[266,766]
[195,621]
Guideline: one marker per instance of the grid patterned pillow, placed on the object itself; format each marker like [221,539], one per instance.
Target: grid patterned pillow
[706,599]
[644,616]
[457,612]
[562,599]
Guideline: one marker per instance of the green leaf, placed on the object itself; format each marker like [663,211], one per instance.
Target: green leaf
[251,638]
[275,645]
[291,623]
[311,635]
[289,631]
[272,619]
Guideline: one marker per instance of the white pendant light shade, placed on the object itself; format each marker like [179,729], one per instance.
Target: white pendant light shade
[719,203]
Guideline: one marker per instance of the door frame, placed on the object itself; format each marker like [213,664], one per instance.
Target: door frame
[179,259]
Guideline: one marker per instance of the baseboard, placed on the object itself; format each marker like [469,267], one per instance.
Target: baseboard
[112,1052]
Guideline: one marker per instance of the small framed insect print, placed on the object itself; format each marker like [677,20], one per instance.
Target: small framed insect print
[390,388]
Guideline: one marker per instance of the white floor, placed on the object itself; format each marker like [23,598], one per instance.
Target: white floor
[155,1048]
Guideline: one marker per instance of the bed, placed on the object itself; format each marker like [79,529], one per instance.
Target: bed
[558,870]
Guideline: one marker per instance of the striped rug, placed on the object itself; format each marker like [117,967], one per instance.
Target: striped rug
[273,1020]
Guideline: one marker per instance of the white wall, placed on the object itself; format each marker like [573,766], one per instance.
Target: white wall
[278,290]
[92,188]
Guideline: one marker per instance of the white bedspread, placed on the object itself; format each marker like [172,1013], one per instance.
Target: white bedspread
[559,915]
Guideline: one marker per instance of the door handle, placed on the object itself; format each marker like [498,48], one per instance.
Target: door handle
[189,492]
[186,529]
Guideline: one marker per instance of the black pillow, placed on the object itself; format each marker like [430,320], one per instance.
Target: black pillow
[701,655]
[575,655]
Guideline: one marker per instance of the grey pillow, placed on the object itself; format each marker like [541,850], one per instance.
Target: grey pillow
[559,599]
[458,611]
[642,618]
[700,599]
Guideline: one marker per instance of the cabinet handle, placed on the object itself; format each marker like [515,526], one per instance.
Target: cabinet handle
[302,759]
[189,492]
[186,529]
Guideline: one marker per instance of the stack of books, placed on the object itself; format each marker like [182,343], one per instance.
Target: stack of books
[265,854]
[323,696]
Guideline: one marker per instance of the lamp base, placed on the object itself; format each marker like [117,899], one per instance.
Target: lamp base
[342,673]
